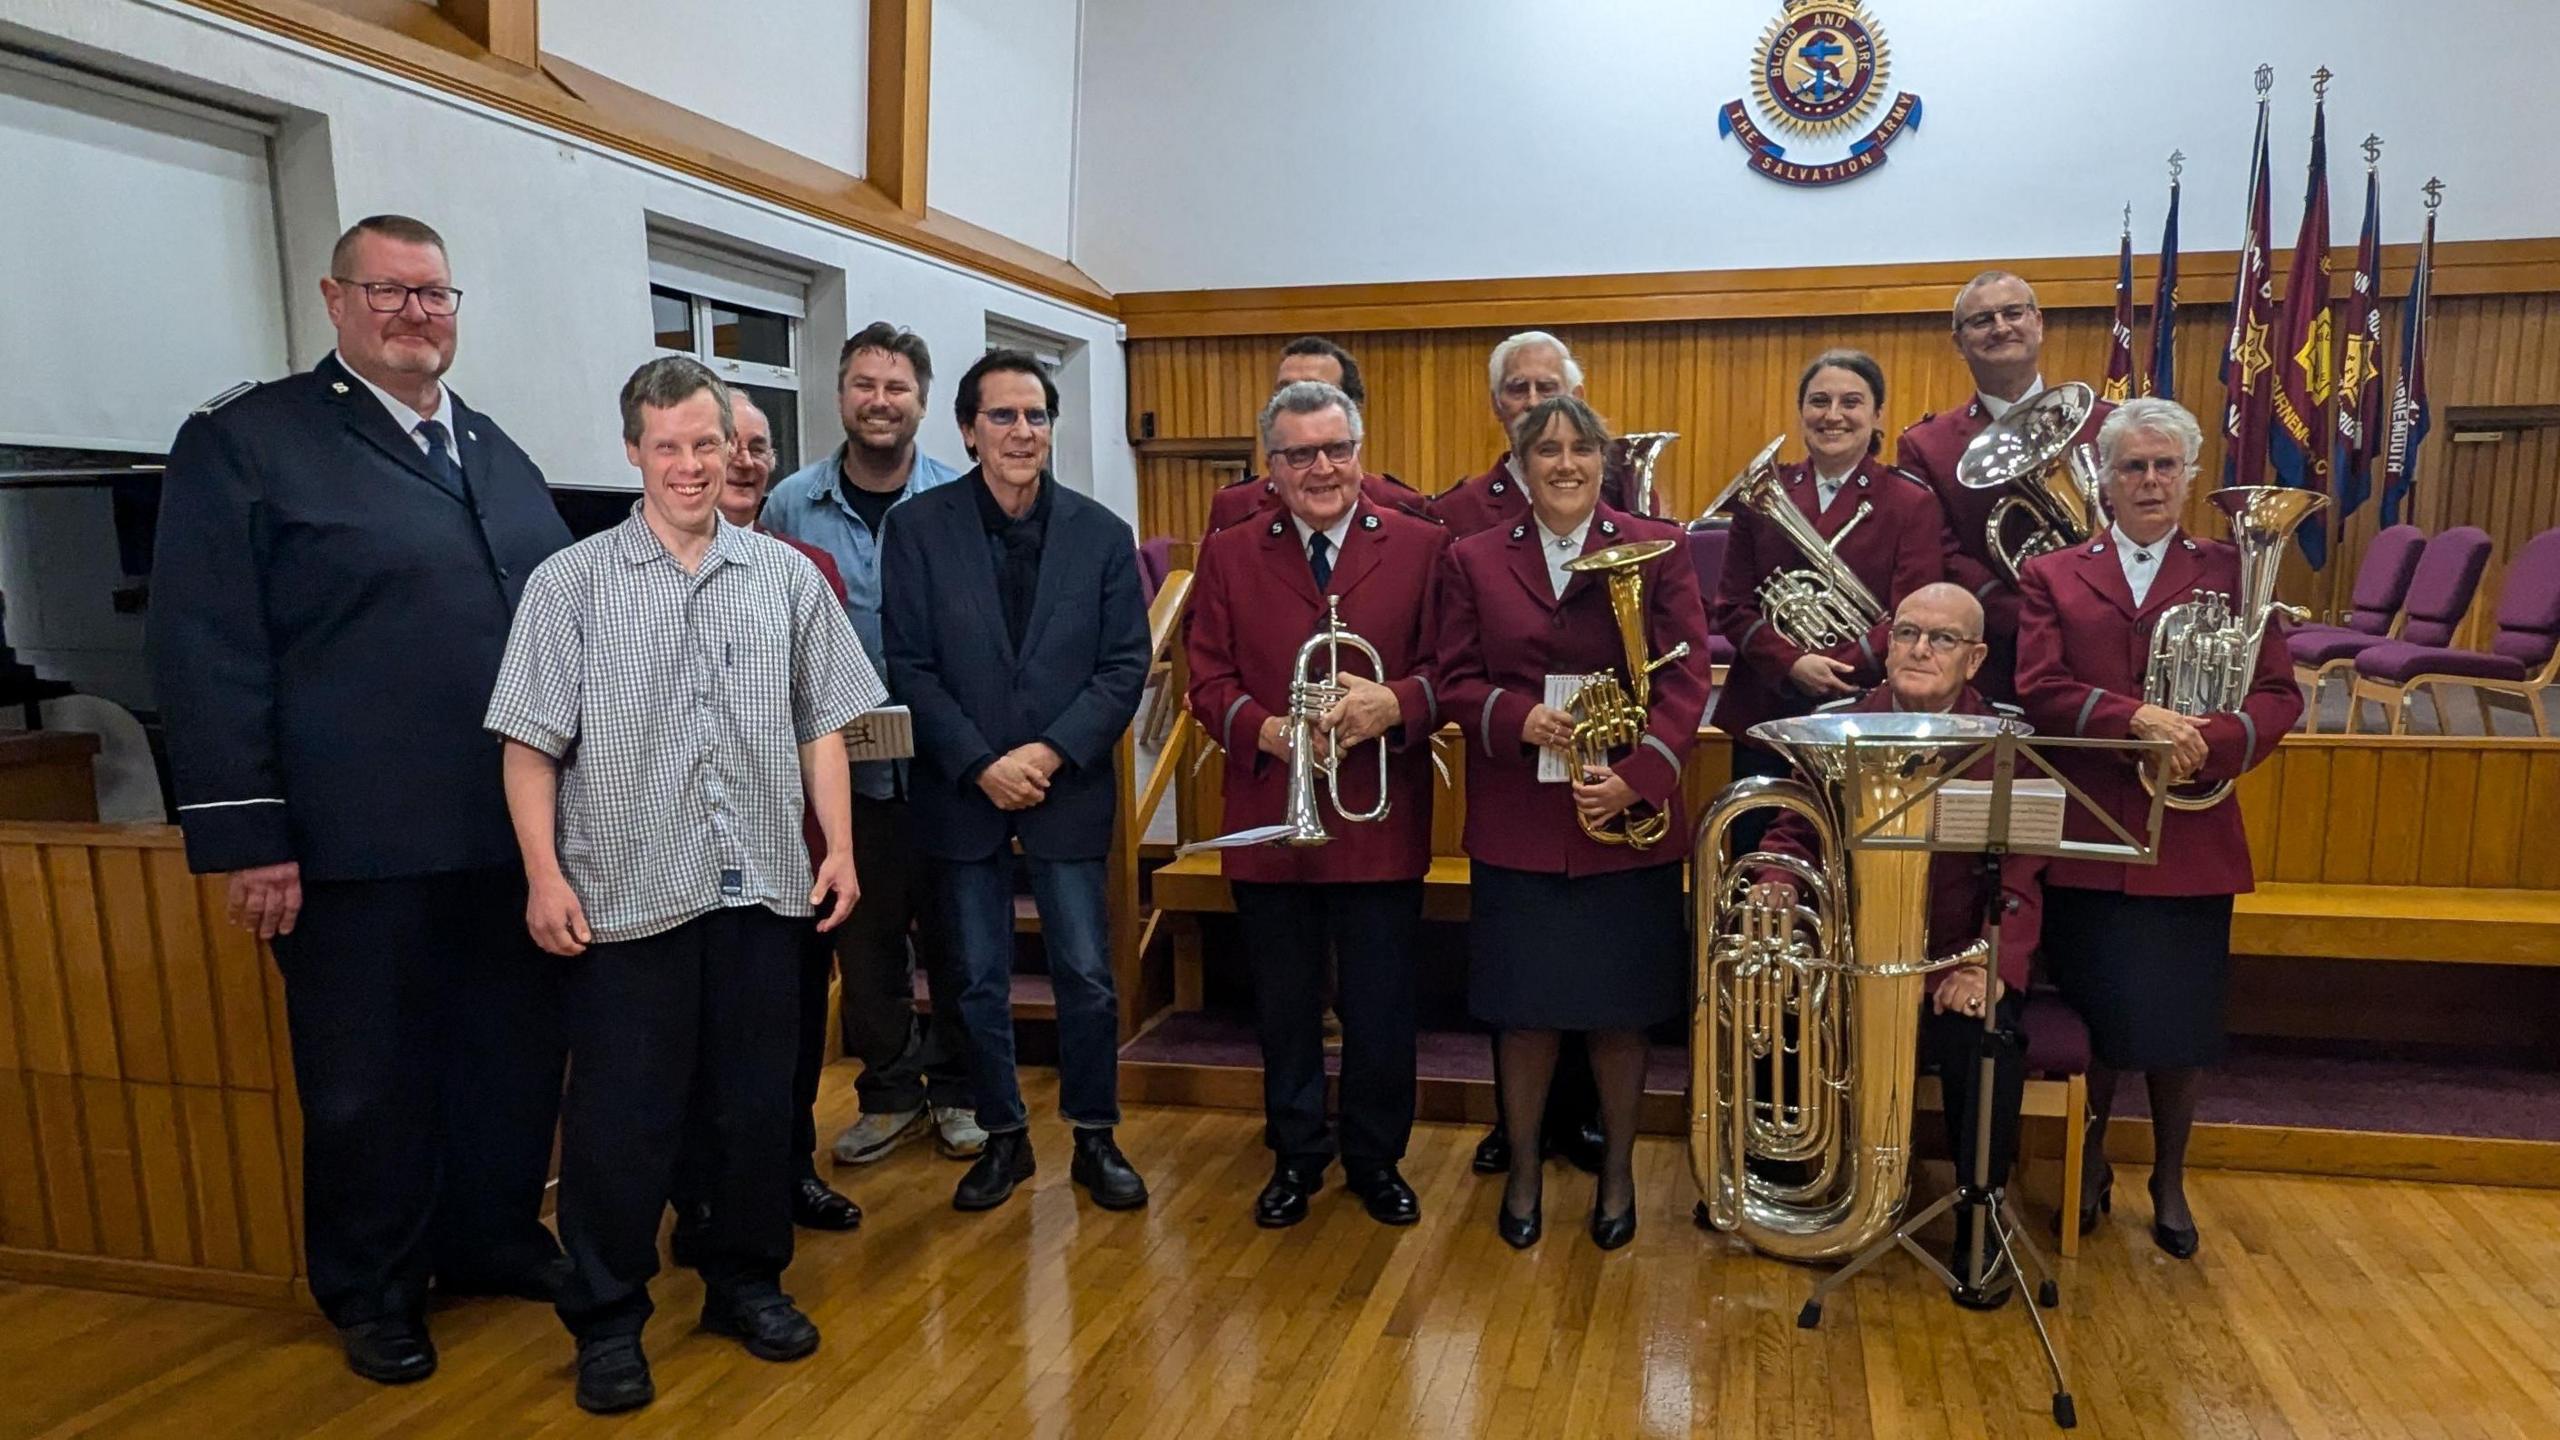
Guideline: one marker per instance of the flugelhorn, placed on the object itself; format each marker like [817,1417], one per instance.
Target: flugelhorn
[1804,1046]
[2204,652]
[2028,456]
[1311,693]
[1824,604]
[1609,716]
[1639,453]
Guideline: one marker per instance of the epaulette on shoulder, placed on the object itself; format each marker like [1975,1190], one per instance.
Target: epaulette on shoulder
[226,397]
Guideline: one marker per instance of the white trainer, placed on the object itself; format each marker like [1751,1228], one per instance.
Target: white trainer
[956,1132]
[873,1136]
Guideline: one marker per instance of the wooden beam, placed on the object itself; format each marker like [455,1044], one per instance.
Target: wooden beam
[900,100]
[511,30]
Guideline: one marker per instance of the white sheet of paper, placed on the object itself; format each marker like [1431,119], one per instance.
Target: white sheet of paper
[1963,814]
[1555,766]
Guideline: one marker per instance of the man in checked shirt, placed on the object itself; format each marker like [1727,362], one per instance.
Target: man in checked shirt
[671,689]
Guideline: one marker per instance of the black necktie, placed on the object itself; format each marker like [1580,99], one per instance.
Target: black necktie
[440,458]
[1320,559]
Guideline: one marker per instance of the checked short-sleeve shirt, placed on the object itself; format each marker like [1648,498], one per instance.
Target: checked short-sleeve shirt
[676,704]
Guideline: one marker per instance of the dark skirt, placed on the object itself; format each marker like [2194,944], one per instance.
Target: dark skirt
[2150,973]
[1552,952]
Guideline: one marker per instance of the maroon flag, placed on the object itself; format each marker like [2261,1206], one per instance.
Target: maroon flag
[2120,349]
[2299,444]
[2247,366]
[2360,414]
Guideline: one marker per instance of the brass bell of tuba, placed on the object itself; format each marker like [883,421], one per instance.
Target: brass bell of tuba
[1312,693]
[2204,652]
[1804,1048]
[1638,453]
[1824,604]
[1609,716]
[2027,455]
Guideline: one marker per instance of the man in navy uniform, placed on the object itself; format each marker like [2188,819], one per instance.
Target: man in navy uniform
[340,554]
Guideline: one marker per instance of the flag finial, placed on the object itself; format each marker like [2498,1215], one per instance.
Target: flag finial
[2177,165]
[2435,193]
[2128,220]
[2372,151]
[2266,80]
[2320,79]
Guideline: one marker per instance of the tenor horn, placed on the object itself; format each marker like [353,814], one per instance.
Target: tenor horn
[2204,650]
[1609,716]
[2028,456]
[1315,762]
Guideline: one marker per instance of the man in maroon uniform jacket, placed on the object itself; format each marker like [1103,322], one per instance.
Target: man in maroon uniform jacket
[1310,357]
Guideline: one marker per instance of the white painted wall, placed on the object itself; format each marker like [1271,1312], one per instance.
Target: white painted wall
[1336,141]
[1002,133]
[548,237]
[792,72]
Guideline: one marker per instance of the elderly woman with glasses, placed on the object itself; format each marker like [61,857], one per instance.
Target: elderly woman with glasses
[2144,951]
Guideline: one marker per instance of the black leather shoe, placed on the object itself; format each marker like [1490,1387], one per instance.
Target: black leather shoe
[2094,1202]
[1384,1193]
[769,1325]
[816,1205]
[391,1351]
[1610,1232]
[1005,1163]
[540,1283]
[1583,1147]
[1520,1231]
[690,1240]
[1283,1202]
[1105,1173]
[613,1375]
[1493,1153]
[2179,1240]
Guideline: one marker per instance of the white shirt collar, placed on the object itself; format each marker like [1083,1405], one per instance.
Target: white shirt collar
[2155,549]
[1570,543]
[1334,534]
[1512,464]
[1995,407]
[407,419]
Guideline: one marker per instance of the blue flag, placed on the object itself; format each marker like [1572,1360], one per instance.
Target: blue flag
[2409,417]
[2164,310]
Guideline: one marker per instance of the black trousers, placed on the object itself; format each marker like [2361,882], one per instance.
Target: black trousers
[906,1062]
[427,1049]
[1290,930]
[1951,1044]
[698,1162]
[713,1002]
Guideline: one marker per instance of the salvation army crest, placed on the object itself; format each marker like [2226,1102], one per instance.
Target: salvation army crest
[1821,70]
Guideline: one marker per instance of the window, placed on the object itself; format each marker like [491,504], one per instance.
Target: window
[741,316]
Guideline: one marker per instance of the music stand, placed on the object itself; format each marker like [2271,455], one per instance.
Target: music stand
[1999,1243]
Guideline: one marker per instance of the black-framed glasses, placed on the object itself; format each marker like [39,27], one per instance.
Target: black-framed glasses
[1003,416]
[1944,642]
[389,298]
[2167,467]
[1301,457]
[1981,321]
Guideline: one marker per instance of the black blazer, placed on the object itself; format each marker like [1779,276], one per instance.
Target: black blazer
[326,621]
[1075,684]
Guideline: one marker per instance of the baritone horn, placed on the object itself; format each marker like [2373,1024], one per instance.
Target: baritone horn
[1804,1046]
[2028,456]
[1311,694]
[1824,604]
[1609,716]
[2204,651]
[1638,454]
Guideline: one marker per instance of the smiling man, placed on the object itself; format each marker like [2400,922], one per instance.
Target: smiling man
[1261,591]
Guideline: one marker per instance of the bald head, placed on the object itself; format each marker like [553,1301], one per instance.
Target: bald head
[1936,647]
[1943,604]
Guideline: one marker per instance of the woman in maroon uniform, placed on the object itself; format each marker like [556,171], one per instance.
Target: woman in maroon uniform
[1569,932]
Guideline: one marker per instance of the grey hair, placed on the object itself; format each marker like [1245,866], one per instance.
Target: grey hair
[1989,277]
[1530,340]
[665,383]
[1576,412]
[2160,417]
[1308,397]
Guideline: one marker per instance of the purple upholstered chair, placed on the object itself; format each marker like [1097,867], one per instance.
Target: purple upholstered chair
[2447,576]
[2373,610]
[1707,542]
[1155,561]
[2522,660]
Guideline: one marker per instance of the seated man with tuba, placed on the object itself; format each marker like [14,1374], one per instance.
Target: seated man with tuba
[1297,716]
[1822,551]
[1936,650]
[2143,952]
[1575,882]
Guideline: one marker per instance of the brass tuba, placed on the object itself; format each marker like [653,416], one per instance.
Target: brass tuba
[2204,653]
[1312,693]
[1608,716]
[1825,604]
[1638,454]
[1804,1047]
[2027,455]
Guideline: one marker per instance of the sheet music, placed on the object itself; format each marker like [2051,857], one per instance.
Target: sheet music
[1963,813]
[888,733]
[1555,766]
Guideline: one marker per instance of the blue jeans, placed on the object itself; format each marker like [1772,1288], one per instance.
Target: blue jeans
[1075,930]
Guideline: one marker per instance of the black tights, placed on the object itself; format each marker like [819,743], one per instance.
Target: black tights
[1617,1068]
[2173,1115]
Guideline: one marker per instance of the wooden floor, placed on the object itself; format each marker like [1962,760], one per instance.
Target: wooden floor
[2318,1307]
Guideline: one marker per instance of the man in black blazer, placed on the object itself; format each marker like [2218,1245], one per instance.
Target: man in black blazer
[1013,630]
[339,558]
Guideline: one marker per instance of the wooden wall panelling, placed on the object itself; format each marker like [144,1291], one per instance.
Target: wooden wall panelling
[2379,810]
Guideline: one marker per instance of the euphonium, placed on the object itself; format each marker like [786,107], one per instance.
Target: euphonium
[2204,653]
[2027,454]
[1804,1047]
[1639,453]
[1608,716]
[1824,604]
[1312,693]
